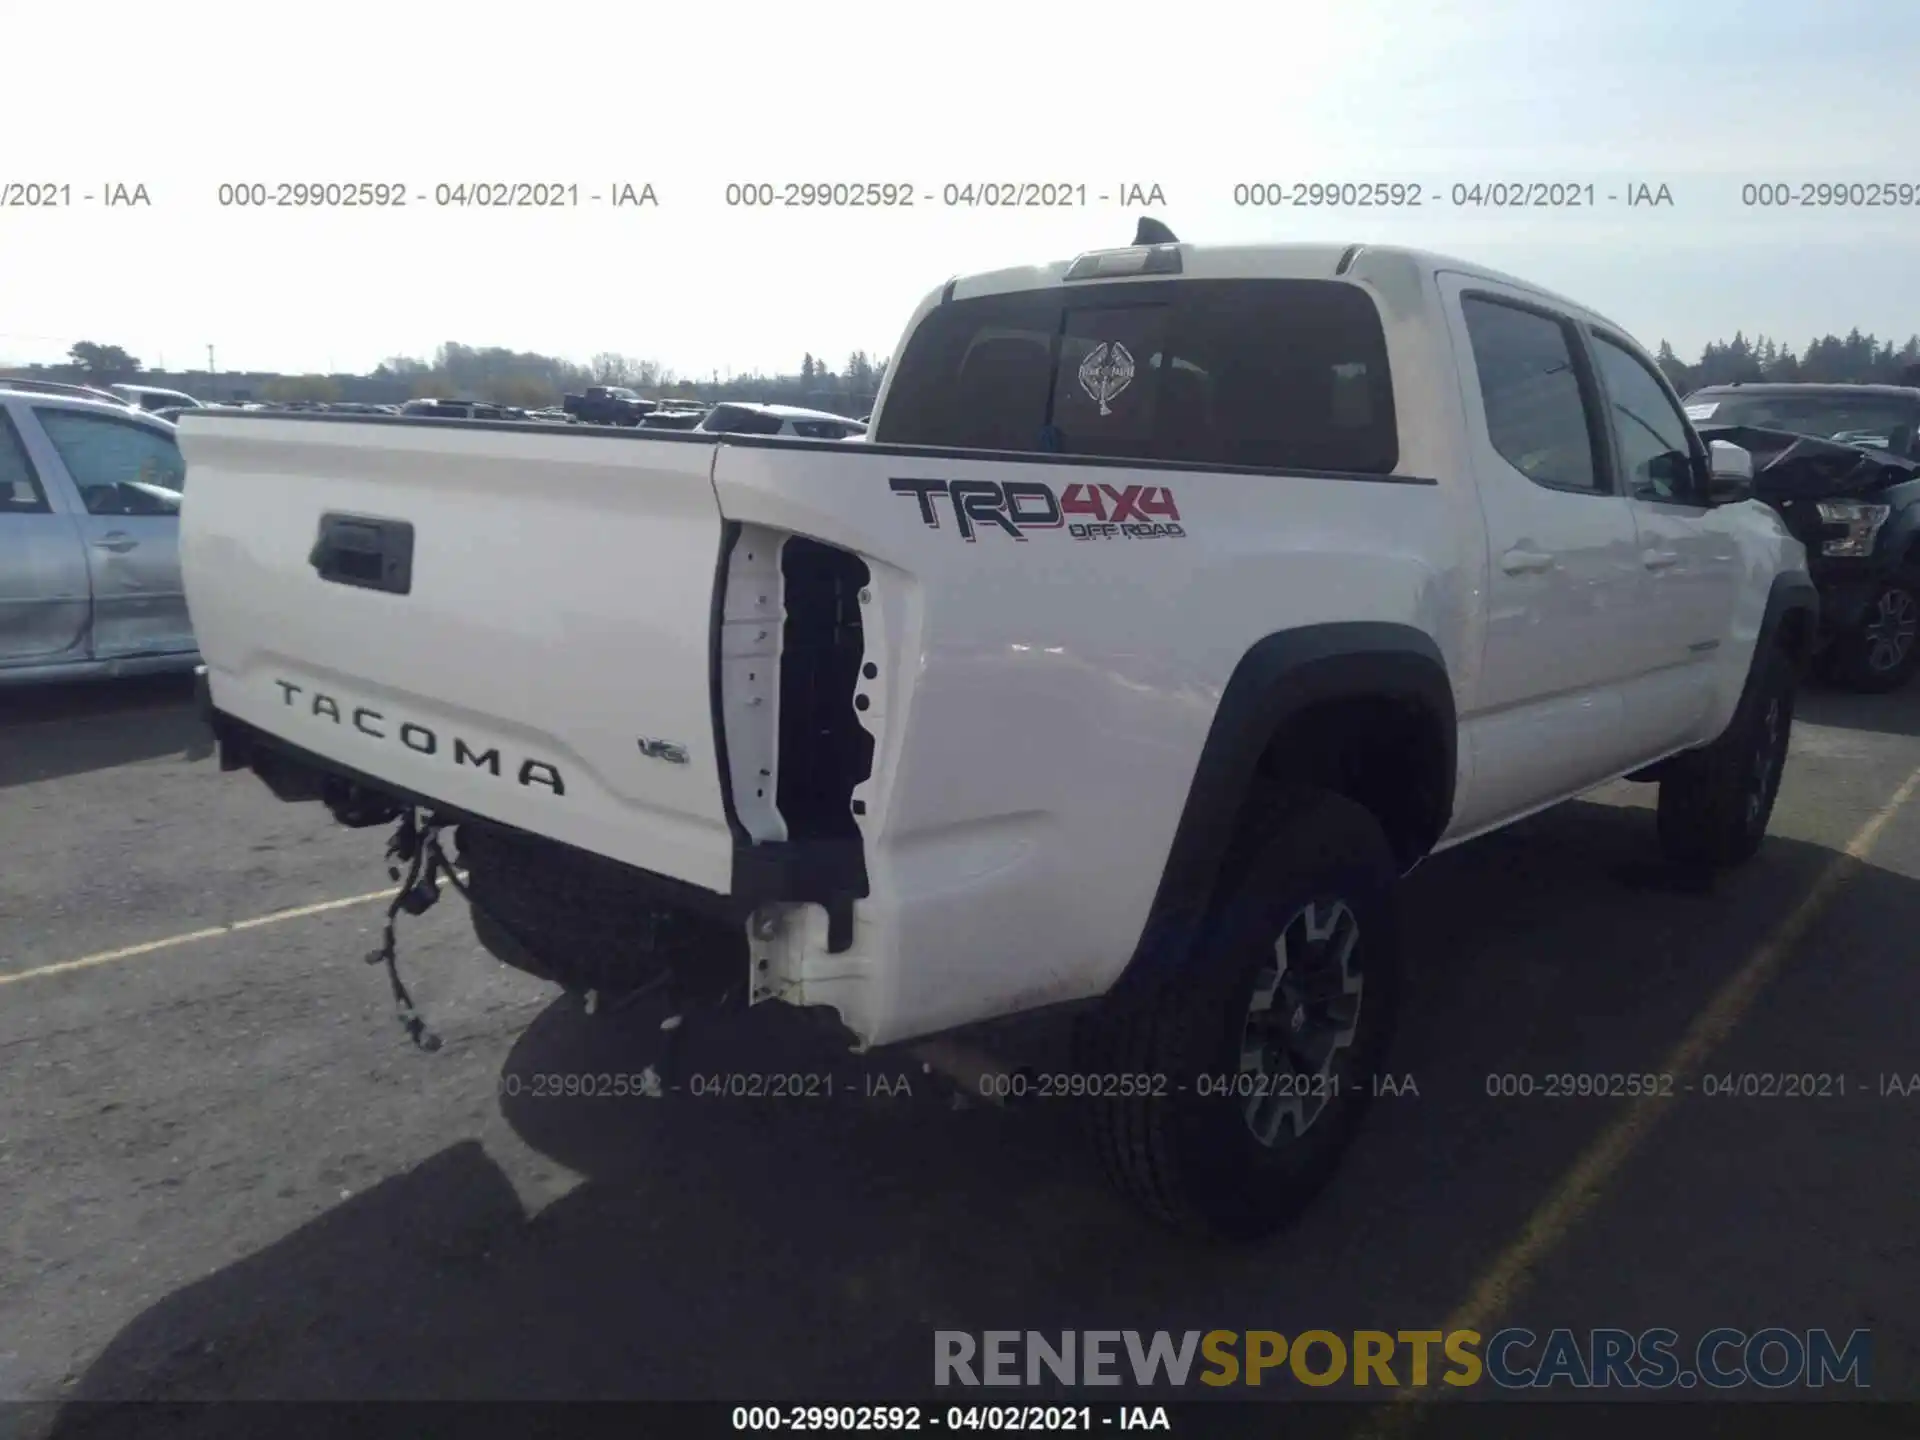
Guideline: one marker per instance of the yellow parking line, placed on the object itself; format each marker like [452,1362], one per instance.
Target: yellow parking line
[212,932]
[1502,1282]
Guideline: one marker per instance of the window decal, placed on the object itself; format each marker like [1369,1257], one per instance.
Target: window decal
[1107,370]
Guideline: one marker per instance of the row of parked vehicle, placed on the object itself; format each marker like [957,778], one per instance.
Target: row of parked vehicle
[618,405]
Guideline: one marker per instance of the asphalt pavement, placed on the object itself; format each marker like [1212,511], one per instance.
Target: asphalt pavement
[227,1174]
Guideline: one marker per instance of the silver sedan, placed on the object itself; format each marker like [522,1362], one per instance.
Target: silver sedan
[90,497]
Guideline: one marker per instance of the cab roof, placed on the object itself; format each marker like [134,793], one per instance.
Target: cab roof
[1388,268]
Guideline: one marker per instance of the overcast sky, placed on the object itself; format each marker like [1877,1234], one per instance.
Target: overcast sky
[1195,97]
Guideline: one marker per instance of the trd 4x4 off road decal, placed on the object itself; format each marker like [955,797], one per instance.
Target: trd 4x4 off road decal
[1112,512]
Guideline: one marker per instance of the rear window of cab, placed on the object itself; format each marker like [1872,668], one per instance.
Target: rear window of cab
[1257,374]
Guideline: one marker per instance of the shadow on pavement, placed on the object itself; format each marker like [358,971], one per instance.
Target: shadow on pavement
[68,729]
[1895,714]
[807,1248]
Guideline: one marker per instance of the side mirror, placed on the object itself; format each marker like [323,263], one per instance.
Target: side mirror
[1729,473]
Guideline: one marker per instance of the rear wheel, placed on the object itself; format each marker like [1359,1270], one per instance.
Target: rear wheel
[1881,654]
[1258,1063]
[1715,802]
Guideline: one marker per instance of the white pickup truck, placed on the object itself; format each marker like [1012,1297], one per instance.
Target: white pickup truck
[1181,599]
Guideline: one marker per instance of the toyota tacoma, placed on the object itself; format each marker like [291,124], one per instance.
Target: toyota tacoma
[1180,600]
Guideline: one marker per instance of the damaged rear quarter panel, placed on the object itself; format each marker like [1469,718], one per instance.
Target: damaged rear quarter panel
[1041,700]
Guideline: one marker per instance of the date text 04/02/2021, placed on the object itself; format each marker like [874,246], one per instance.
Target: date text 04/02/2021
[443,194]
[704,1085]
[1711,1085]
[909,195]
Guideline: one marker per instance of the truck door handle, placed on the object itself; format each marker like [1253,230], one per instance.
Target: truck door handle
[118,541]
[1660,559]
[1525,562]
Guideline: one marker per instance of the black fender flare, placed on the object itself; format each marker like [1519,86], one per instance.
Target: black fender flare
[1280,677]
[1791,592]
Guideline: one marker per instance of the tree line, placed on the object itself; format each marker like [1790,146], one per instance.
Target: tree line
[1854,359]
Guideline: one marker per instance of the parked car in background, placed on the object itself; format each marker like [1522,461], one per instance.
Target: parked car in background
[89,540]
[56,387]
[1886,417]
[452,409]
[1841,463]
[744,418]
[152,397]
[674,418]
[607,405]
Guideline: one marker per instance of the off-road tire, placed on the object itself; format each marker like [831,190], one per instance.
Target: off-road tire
[574,918]
[1190,1158]
[1715,802]
[1861,658]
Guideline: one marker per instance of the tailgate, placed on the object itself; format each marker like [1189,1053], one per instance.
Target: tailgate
[511,621]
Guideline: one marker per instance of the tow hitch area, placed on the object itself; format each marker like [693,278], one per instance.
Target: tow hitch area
[415,845]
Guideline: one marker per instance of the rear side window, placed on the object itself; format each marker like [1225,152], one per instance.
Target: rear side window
[20,492]
[102,454]
[1649,435]
[1536,409]
[1263,374]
